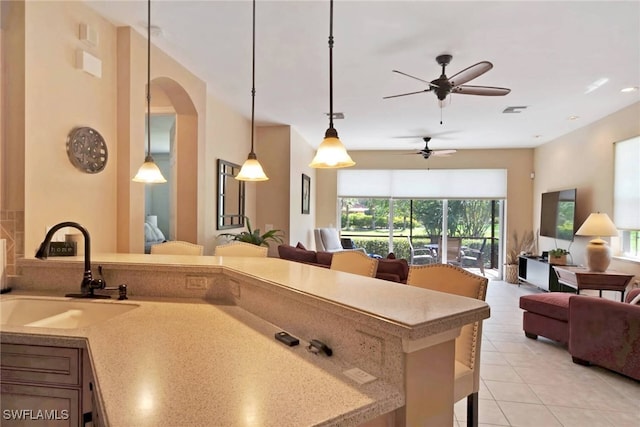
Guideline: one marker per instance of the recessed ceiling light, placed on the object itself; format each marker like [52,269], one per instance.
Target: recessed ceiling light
[629,89]
[574,117]
[595,85]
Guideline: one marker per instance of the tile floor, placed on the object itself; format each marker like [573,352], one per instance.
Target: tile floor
[528,382]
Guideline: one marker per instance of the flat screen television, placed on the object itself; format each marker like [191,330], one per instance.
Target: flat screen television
[558,214]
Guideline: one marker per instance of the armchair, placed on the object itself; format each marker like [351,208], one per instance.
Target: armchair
[328,240]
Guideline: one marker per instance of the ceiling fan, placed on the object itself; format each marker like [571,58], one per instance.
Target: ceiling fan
[443,85]
[426,152]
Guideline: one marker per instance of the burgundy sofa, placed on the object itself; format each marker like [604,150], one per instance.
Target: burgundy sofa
[606,333]
[392,269]
[597,331]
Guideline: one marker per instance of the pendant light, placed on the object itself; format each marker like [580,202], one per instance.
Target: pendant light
[149,172]
[251,169]
[331,153]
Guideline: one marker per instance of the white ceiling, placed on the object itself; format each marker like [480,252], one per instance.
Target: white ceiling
[547,53]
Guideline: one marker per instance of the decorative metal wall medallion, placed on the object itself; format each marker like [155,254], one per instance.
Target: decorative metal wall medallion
[87,150]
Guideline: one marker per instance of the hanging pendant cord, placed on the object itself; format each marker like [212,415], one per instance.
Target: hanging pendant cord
[331,132]
[149,78]
[253,75]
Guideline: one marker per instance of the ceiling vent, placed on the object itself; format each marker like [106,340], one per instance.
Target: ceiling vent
[514,110]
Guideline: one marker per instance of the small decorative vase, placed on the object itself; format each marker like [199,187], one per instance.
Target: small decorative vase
[511,273]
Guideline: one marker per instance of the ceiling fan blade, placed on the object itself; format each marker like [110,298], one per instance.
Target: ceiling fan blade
[481,90]
[470,73]
[413,77]
[405,94]
[442,153]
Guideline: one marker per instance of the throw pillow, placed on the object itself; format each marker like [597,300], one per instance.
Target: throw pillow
[636,300]
[301,246]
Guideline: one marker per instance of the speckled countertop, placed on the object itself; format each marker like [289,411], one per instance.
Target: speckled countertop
[195,363]
[192,362]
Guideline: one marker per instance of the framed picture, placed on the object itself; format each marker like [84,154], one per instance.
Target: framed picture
[306,193]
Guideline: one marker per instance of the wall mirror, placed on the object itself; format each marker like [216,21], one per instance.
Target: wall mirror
[230,196]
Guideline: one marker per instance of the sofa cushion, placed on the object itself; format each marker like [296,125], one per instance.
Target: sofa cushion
[292,253]
[399,267]
[553,304]
[324,258]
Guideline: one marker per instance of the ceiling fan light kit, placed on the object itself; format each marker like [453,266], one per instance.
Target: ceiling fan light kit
[149,172]
[251,169]
[331,153]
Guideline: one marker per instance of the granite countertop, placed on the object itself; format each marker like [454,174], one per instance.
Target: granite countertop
[186,361]
[196,363]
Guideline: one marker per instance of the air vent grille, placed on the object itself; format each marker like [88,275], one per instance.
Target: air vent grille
[514,110]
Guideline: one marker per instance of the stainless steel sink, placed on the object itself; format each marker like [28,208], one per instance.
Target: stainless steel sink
[61,313]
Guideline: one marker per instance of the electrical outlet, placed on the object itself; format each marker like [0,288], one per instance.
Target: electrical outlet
[196,282]
[359,376]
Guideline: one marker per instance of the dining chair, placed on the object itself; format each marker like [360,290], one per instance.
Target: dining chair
[177,247]
[354,262]
[241,249]
[458,281]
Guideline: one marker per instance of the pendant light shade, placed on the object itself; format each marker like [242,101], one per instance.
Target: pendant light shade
[331,153]
[149,172]
[251,169]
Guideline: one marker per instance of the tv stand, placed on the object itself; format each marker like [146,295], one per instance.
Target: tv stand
[538,272]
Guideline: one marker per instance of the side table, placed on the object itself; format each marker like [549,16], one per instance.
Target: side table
[581,278]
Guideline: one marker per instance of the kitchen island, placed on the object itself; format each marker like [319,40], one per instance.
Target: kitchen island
[199,349]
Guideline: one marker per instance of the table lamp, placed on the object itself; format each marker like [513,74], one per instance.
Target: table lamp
[598,252]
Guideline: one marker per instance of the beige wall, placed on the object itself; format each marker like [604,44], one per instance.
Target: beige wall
[13,82]
[517,162]
[301,225]
[583,159]
[284,156]
[228,138]
[59,97]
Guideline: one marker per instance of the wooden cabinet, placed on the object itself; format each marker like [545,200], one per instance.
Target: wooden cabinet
[42,385]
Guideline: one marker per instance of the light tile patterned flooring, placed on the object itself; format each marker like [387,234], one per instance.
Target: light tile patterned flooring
[527,382]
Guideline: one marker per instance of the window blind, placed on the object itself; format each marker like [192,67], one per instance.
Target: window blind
[626,186]
[421,183]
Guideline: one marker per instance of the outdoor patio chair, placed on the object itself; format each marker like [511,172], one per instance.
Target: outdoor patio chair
[474,257]
[420,255]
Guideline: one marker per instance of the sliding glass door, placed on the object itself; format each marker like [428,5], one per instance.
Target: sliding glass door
[417,226]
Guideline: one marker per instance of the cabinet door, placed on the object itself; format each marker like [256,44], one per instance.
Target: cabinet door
[29,405]
[40,364]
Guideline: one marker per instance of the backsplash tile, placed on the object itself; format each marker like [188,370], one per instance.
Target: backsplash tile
[12,230]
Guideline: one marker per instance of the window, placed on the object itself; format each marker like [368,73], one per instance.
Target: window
[626,195]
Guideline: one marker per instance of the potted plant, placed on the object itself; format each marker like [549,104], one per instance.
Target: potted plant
[254,237]
[516,246]
[558,256]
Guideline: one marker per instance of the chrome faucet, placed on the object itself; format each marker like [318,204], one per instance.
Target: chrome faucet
[88,282]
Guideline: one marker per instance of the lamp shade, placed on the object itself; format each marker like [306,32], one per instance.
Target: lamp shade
[598,255]
[251,170]
[331,154]
[149,172]
[598,224]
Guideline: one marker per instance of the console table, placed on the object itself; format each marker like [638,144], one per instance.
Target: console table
[581,278]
